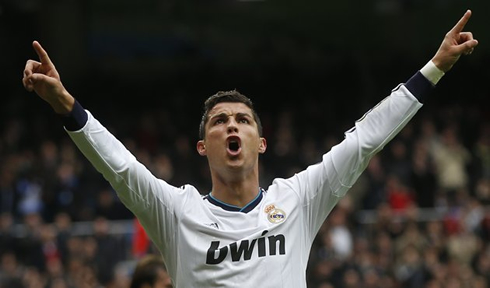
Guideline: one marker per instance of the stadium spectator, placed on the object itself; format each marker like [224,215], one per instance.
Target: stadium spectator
[451,159]
[150,272]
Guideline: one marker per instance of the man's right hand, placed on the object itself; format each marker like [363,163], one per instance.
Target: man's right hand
[41,76]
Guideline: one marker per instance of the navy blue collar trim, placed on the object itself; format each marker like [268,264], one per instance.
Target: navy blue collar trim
[245,209]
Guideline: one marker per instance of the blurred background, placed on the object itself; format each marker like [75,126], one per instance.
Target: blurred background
[418,216]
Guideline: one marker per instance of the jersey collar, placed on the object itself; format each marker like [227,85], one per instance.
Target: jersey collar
[245,209]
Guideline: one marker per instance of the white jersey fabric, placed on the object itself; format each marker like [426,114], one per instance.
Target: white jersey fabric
[205,245]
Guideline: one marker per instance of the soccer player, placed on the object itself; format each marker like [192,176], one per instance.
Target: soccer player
[241,235]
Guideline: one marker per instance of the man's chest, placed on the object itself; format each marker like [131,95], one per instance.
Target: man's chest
[214,236]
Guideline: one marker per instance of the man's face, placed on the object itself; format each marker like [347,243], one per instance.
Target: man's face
[232,139]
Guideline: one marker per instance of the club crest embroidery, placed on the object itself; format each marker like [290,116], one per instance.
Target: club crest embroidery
[274,214]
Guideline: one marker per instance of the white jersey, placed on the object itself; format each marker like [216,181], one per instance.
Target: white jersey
[265,244]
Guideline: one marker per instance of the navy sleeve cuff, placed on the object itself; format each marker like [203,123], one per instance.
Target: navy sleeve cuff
[419,86]
[76,119]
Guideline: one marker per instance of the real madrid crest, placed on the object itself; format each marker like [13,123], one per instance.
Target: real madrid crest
[274,214]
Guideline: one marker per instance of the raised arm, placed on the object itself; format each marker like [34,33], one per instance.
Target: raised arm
[341,167]
[146,196]
[43,78]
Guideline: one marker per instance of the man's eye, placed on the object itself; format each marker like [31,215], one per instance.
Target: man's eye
[244,120]
[219,121]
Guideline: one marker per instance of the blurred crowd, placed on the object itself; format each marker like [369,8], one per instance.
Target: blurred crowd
[439,163]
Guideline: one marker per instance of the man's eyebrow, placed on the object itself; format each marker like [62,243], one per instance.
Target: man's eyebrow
[219,115]
[225,115]
[243,114]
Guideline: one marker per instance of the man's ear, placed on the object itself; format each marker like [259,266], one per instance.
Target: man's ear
[201,148]
[262,145]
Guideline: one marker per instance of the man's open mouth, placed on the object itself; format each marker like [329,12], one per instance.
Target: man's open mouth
[233,145]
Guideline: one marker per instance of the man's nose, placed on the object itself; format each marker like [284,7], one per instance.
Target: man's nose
[232,126]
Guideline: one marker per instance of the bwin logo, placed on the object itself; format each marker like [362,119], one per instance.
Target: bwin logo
[245,248]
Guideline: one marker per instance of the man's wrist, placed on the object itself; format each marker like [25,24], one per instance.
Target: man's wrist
[76,118]
[62,103]
[432,73]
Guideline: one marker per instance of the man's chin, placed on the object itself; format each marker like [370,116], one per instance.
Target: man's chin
[234,163]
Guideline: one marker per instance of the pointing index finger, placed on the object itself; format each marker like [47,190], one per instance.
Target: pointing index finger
[43,55]
[462,22]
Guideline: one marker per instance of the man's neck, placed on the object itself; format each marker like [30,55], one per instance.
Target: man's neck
[237,193]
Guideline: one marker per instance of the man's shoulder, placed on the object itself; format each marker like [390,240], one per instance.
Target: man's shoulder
[283,187]
[189,190]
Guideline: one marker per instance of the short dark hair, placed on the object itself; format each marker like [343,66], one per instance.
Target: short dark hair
[146,271]
[226,96]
